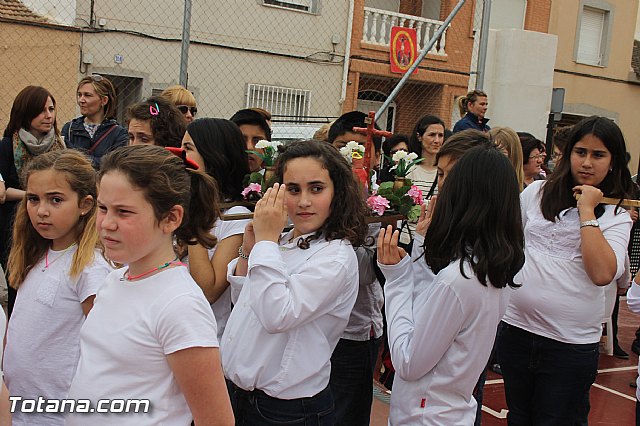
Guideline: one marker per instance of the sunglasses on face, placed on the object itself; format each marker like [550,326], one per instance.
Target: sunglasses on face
[184,108]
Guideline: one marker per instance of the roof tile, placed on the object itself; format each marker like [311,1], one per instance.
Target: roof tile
[15,9]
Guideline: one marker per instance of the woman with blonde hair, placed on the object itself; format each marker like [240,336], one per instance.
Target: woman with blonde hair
[508,142]
[95,132]
[472,108]
[183,99]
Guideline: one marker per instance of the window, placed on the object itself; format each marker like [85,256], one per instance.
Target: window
[593,33]
[279,101]
[302,5]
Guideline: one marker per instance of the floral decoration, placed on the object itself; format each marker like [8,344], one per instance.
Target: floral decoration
[269,151]
[252,191]
[403,163]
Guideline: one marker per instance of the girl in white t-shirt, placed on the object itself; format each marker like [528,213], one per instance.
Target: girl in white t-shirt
[219,149]
[151,334]
[293,292]
[57,270]
[441,329]
[548,344]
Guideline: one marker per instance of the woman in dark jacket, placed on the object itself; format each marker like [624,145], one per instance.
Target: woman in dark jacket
[96,132]
[32,130]
[473,107]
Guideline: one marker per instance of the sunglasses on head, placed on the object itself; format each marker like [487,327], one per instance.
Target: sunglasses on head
[95,77]
[184,108]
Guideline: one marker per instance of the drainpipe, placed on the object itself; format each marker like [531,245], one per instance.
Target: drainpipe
[184,46]
[484,39]
[347,54]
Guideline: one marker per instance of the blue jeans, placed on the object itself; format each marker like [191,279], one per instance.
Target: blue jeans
[546,382]
[351,382]
[256,408]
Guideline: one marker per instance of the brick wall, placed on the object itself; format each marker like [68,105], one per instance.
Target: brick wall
[537,16]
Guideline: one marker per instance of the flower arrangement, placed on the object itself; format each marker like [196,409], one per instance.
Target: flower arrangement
[378,204]
[252,192]
[352,150]
[403,163]
[268,153]
[405,200]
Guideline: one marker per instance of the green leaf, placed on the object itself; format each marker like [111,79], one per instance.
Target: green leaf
[385,186]
[255,177]
[414,213]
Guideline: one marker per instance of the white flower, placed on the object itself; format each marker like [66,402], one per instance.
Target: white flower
[263,144]
[354,146]
[399,155]
[411,156]
[346,151]
[275,144]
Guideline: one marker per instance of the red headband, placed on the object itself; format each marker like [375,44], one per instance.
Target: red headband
[182,154]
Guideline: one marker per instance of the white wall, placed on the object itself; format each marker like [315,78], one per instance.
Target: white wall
[519,79]
[637,36]
[507,14]
[60,11]
[391,5]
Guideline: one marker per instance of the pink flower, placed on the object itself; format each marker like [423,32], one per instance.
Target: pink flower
[378,204]
[416,194]
[253,187]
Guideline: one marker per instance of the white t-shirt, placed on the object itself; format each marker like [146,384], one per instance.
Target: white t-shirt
[290,312]
[43,338]
[224,229]
[441,332]
[125,342]
[557,299]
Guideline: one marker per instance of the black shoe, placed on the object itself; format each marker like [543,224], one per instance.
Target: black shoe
[619,353]
[635,347]
[496,368]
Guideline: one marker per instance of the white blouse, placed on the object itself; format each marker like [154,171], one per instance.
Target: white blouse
[557,299]
[290,311]
[441,331]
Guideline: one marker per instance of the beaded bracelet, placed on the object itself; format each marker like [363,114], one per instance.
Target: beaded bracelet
[241,254]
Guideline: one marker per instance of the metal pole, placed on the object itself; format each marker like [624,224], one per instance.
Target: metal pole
[484,40]
[184,48]
[419,59]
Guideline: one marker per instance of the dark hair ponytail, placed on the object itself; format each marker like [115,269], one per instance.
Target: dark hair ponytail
[166,181]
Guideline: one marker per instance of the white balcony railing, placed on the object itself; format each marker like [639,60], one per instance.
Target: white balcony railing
[377,28]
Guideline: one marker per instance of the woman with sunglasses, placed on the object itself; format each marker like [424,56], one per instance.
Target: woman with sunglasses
[96,131]
[183,100]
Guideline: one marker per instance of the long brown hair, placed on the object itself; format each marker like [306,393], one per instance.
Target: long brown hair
[29,246]
[348,209]
[27,105]
[166,182]
[557,192]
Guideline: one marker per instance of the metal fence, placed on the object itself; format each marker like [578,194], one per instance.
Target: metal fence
[287,56]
